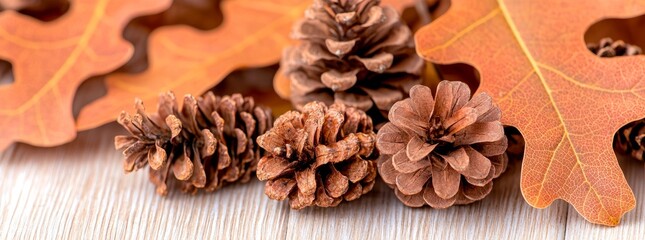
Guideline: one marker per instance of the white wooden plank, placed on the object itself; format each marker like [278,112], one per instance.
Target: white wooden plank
[379,215]
[80,191]
[632,225]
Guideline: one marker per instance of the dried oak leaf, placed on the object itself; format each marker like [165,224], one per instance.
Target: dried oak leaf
[567,102]
[188,61]
[50,60]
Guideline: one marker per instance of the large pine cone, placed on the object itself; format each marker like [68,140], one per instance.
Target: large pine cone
[631,139]
[442,152]
[354,52]
[320,157]
[206,144]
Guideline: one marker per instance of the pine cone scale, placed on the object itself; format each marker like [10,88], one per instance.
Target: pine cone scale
[389,141]
[158,178]
[336,184]
[446,182]
[121,142]
[477,193]
[418,149]
[387,170]
[356,170]
[450,98]
[183,168]
[460,119]
[271,167]
[340,48]
[478,164]
[402,163]
[354,192]
[458,159]
[480,133]
[156,156]
[431,198]
[338,81]
[306,181]
[416,200]
[323,199]
[492,148]
[413,183]
[384,98]
[355,100]
[300,201]
[407,120]
[280,188]
[481,182]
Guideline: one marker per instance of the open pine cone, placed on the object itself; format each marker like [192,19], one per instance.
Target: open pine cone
[319,157]
[607,47]
[442,152]
[206,144]
[354,52]
[631,139]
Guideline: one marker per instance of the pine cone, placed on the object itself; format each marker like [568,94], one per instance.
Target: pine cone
[610,48]
[353,52]
[631,139]
[206,144]
[320,157]
[442,152]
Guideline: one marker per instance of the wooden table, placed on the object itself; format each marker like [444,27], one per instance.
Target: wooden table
[79,190]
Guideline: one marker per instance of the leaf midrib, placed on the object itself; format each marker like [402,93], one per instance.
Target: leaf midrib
[537,69]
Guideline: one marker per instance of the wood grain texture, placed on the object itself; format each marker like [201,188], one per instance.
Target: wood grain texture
[79,190]
[379,215]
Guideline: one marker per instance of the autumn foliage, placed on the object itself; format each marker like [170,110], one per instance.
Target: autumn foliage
[567,102]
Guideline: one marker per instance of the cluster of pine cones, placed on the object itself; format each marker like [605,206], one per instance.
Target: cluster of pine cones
[355,64]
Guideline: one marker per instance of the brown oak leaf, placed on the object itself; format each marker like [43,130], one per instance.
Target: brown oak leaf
[189,61]
[567,103]
[50,60]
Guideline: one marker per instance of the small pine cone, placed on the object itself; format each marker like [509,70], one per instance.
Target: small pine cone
[607,47]
[442,152]
[354,52]
[320,156]
[631,139]
[206,144]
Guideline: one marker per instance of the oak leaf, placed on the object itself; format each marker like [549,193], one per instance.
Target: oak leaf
[50,60]
[567,103]
[189,61]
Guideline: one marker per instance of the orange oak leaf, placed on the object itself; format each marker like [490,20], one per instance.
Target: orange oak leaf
[567,103]
[50,60]
[190,61]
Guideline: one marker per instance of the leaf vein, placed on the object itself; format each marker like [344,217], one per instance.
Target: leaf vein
[534,65]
